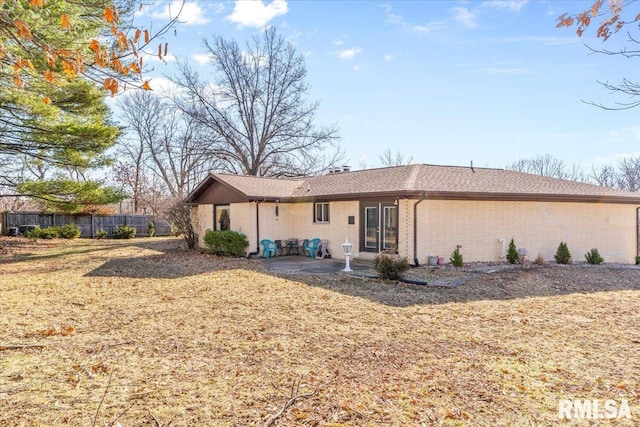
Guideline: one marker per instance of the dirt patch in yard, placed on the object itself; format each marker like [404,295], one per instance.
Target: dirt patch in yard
[145,332]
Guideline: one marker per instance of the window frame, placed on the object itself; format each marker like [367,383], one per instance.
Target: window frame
[217,213]
[325,214]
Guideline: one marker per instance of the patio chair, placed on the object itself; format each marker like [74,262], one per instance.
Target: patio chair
[269,248]
[312,247]
[324,249]
[303,247]
[280,247]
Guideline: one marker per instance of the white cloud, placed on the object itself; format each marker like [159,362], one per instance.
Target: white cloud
[202,58]
[191,13]
[163,86]
[464,16]
[338,42]
[426,28]
[510,5]
[255,13]
[349,118]
[630,133]
[349,53]
[386,7]
[389,58]
[357,67]
[614,159]
[218,8]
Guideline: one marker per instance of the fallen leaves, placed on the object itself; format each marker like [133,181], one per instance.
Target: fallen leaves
[217,341]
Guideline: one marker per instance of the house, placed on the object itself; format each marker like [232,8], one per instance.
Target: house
[425,210]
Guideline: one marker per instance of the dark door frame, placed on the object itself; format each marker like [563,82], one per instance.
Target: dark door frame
[379,217]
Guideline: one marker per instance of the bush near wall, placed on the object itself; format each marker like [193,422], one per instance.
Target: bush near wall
[390,267]
[225,243]
[124,232]
[69,231]
[563,255]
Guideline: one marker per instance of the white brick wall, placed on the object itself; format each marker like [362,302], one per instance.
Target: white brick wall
[537,226]
[294,220]
[442,224]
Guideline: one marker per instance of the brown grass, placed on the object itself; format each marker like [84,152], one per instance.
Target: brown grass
[144,332]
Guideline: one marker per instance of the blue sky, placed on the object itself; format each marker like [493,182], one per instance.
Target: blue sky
[444,82]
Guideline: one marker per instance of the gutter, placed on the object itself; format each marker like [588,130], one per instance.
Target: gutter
[257,251]
[415,229]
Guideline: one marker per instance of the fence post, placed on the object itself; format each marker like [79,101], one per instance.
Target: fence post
[92,228]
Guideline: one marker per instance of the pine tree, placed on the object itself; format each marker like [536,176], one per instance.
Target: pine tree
[512,253]
[562,256]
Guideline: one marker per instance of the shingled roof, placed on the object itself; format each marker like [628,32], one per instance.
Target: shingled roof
[431,181]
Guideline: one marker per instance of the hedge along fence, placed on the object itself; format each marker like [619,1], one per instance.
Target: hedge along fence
[89,224]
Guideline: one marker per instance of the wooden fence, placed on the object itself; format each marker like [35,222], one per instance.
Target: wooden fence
[89,224]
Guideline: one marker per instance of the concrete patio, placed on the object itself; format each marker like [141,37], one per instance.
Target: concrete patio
[307,265]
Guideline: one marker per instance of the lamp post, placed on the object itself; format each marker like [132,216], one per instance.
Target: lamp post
[347,248]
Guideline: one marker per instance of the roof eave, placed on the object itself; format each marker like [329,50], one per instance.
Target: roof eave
[532,197]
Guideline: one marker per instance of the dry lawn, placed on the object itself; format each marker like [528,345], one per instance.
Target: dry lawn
[145,332]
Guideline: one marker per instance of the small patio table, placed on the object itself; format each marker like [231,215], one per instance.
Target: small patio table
[292,245]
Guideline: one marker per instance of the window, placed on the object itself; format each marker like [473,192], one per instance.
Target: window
[321,212]
[222,218]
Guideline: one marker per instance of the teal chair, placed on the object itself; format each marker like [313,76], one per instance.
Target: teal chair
[269,248]
[312,246]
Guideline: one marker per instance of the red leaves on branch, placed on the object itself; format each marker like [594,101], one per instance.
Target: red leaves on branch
[109,60]
[111,85]
[611,24]
[64,22]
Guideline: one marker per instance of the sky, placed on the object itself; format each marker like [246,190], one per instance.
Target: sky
[441,82]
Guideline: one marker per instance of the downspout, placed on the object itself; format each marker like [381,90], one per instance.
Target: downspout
[638,236]
[257,251]
[415,230]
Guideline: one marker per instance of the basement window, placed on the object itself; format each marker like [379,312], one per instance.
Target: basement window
[321,213]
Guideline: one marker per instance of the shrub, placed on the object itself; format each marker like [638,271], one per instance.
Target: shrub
[101,233]
[151,228]
[124,232]
[69,231]
[390,267]
[512,253]
[33,234]
[594,257]
[43,233]
[562,256]
[638,260]
[539,260]
[456,257]
[225,243]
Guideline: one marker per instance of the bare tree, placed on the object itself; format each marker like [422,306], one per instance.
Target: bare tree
[387,158]
[545,165]
[605,176]
[548,165]
[165,144]
[629,174]
[256,113]
[166,156]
